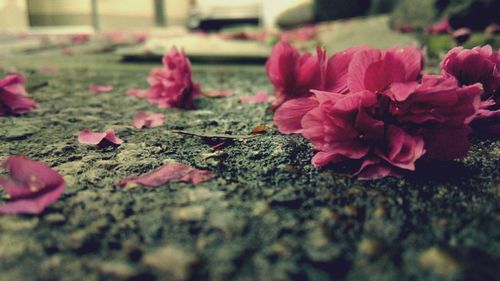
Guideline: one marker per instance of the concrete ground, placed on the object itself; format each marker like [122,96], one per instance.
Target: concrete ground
[267,215]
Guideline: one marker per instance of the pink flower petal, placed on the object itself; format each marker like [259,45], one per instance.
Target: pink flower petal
[293,74]
[337,68]
[372,169]
[13,97]
[440,27]
[402,148]
[99,138]
[148,120]
[100,89]
[323,158]
[412,59]
[173,172]
[48,69]
[68,52]
[80,38]
[32,186]
[289,115]
[259,97]
[374,70]
[137,93]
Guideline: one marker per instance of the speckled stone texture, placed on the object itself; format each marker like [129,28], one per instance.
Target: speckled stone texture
[268,214]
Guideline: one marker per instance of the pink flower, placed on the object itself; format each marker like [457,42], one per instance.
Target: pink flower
[478,65]
[100,89]
[291,73]
[171,86]
[387,134]
[140,37]
[32,186]
[440,27]
[13,97]
[405,28]
[172,172]
[138,93]
[259,97]
[387,117]
[101,139]
[148,120]
[80,38]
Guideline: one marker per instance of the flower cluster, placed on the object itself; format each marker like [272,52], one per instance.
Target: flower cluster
[172,85]
[13,97]
[374,107]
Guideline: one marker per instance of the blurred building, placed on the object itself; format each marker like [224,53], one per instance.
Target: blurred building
[19,15]
[16,15]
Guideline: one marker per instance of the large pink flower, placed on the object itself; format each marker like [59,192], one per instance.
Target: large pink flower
[32,186]
[353,70]
[345,127]
[387,117]
[172,85]
[13,97]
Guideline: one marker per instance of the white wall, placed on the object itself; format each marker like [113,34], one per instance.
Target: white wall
[13,15]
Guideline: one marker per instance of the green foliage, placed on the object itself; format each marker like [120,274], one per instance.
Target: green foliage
[418,14]
[382,6]
[438,45]
[338,9]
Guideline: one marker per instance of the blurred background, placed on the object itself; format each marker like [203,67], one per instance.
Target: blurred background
[22,15]
[248,28]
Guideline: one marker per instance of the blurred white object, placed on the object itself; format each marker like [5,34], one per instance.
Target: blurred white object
[286,13]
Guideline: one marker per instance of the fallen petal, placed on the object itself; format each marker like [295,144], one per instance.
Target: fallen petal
[137,93]
[99,138]
[13,97]
[148,120]
[100,89]
[48,69]
[259,97]
[172,172]
[31,185]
